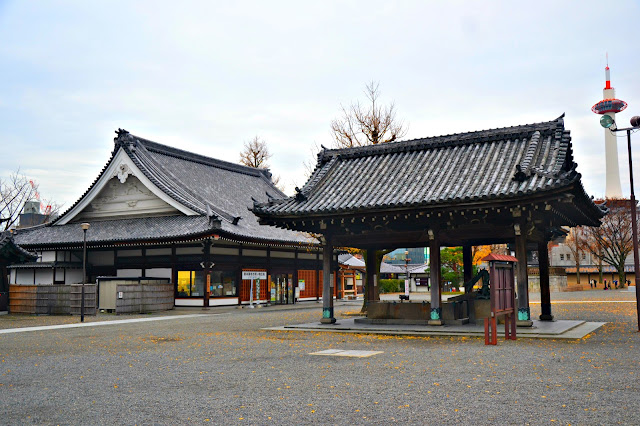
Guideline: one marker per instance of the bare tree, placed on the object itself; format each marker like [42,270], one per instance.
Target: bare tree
[577,243]
[612,242]
[368,125]
[255,154]
[14,192]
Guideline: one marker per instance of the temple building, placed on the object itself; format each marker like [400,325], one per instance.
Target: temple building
[515,185]
[161,212]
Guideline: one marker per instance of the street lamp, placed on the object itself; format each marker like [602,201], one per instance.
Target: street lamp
[85,227]
[609,123]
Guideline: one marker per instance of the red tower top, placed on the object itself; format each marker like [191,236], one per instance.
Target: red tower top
[608,105]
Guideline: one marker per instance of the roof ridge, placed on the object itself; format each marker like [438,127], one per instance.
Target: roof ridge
[181,189]
[442,140]
[199,158]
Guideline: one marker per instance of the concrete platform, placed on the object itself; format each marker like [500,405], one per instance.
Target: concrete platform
[561,329]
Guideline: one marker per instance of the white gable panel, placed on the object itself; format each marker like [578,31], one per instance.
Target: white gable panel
[123,191]
[128,199]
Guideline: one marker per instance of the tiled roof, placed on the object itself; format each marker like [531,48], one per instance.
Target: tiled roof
[10,251]
[499,257]
[158,228]
[103,231]
[354,262]
[220,192]
[506,163]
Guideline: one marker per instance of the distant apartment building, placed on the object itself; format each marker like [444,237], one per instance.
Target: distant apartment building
[561,256]
[416,255]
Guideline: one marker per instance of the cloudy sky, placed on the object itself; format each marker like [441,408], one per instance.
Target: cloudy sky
[208,76]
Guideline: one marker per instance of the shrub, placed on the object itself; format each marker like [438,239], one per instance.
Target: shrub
[391,286]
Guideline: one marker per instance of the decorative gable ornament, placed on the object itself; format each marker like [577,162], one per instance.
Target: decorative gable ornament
[122,172]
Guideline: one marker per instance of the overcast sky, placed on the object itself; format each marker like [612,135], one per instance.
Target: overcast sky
[209,76]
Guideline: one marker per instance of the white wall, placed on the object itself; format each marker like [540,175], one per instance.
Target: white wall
[129,273]
[44,276]
[283,254]
[73,276]
[225,251]
[48,256]
[158,273]
[24,276]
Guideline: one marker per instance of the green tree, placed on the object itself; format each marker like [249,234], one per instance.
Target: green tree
[451,267]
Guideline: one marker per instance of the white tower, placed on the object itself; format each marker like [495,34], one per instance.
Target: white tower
[609,106]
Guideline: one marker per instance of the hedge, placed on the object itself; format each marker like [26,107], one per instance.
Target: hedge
[391,286]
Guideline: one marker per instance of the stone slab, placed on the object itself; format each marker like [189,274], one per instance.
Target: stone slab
[347,353]
[560,329]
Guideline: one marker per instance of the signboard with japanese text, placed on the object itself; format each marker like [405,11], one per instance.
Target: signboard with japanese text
[254,275]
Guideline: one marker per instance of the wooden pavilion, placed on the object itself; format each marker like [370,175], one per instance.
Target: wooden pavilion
[514,185]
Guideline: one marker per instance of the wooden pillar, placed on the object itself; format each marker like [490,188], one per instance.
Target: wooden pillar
[371,279]
[524,313]
[318,267]
[327,284]
[296,279]
[206,266]
[434,266]
[467,263]
[239,276]
[336,271]
[545,292]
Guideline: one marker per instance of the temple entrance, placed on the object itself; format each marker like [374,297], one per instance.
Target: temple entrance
[282,290]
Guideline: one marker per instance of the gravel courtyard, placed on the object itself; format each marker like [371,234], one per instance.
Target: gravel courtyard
[222,368]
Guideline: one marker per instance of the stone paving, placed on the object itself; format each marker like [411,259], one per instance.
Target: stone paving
[561,329]
[225,369]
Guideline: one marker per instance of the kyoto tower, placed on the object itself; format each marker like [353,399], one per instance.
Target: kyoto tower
[609,105]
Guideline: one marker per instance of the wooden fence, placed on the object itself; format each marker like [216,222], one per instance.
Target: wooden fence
[144,297]
[52,299]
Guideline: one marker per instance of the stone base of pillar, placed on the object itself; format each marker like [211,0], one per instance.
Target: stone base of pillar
[524,323]
[546,317]
[328,321]
[436,322]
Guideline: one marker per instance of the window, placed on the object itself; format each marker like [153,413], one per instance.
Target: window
[223,283]
[568,256]
[584,256]
[561,256]
[190,284]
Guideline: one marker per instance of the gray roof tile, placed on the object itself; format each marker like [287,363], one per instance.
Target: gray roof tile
[11,252]
[225,191]
[507,163]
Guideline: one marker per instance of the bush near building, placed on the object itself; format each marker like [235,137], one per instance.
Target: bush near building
[391,286]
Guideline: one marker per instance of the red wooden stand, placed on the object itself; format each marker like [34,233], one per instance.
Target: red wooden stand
[503,300]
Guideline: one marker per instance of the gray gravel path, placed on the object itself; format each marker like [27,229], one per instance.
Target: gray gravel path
[223,369]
